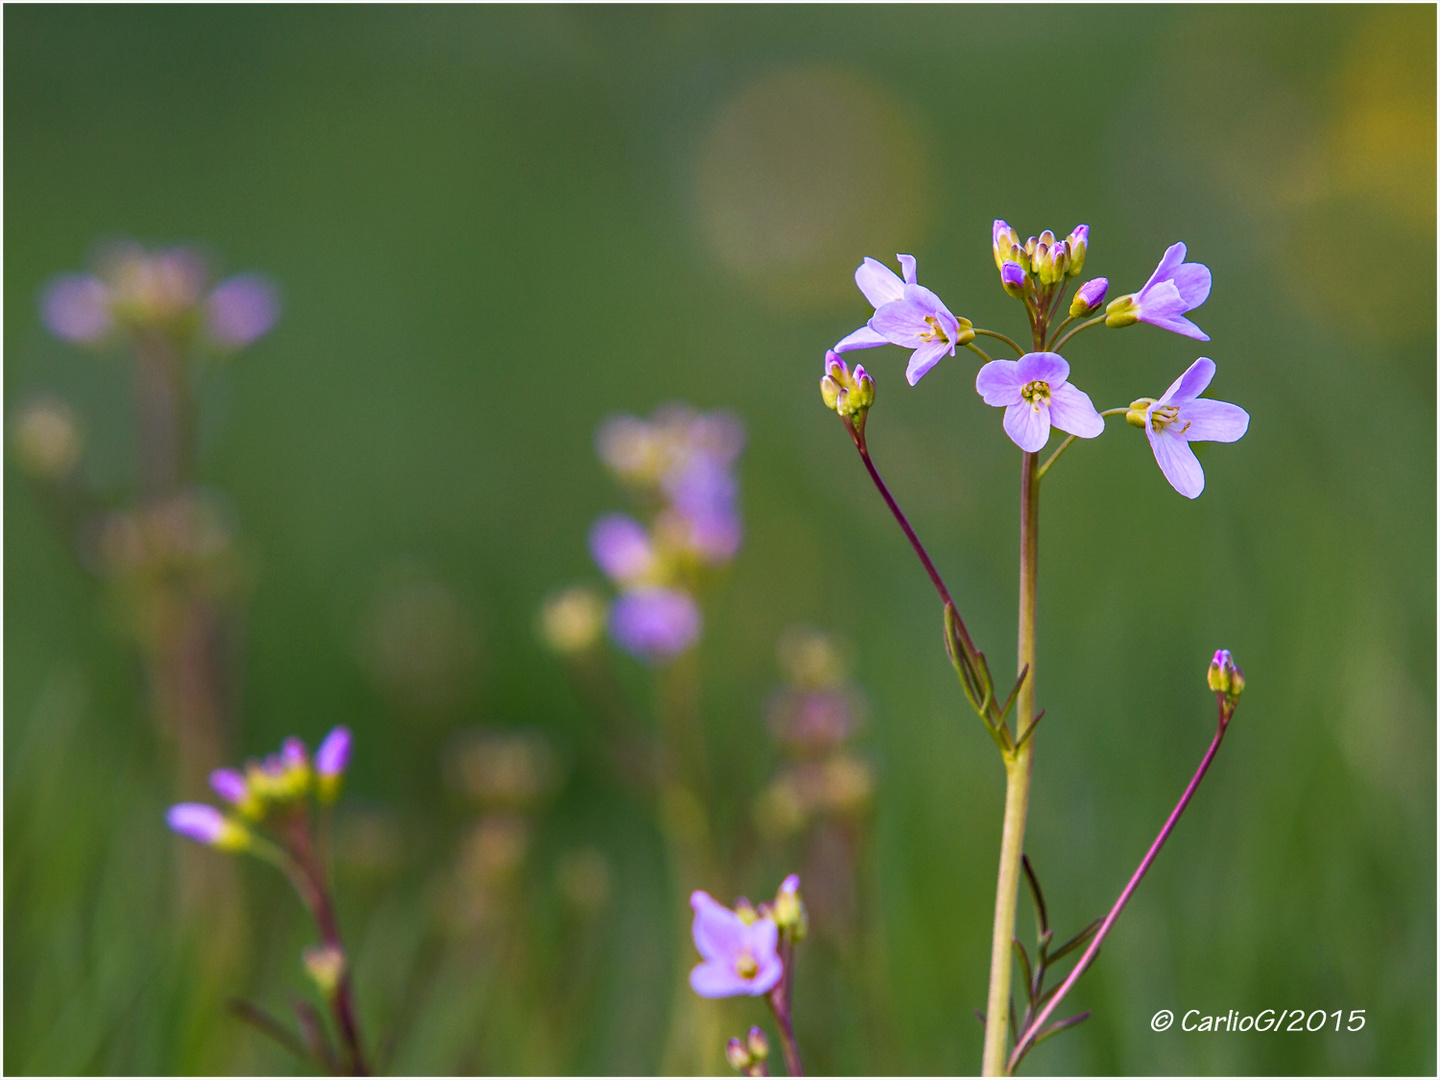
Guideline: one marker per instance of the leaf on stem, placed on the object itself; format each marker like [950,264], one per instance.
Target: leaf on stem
[1077,941]
[266,1024]
[1024,960]
[1030,730]
[1059,1026]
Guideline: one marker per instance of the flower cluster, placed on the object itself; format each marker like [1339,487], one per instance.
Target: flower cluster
[680,463]
[1035,389]
[740,949]
[273,788]
[169,292]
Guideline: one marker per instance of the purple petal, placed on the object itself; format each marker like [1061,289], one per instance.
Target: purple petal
[924,358]
[655,624]
[899,322]
[1193,282]
[718,932]
[1012,274]
[334,753]
[907,267]
[879,283]
[717,979]
[293,751]
[1071,410]
[927,303]
[621,547]
[761,937]
[1212,421]
[196,821]
[1092,293]
[791,884]
[864,338]
[768,972]
[241,309]
[1176,324]
[1043,367]
[77,308]
[228,784]
[1028,426]
[1169,263]
[1159,301]
[998,382]
[1177,461]
[1191,384]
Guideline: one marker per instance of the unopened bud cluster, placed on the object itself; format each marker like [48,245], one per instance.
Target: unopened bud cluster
[748,1057]
[1041,261]
[1225,676]
[848,393]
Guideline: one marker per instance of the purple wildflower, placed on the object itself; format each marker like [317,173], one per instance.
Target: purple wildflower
[655,624]
[292,752]
[229,785]
[622,548]
[241,309]
[739,956]
[76,307]
[1173,289]
[703,495]
[1089,297]
[333,755]
[1035,395]
[206,825]
[906,314]
[1181,417]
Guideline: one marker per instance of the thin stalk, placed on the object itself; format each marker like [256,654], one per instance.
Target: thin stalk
[1028,1036]
[1018,768]
[991,333]
[780,998]
[979,351]
[1040,472]
[1084,325]
[1068,320]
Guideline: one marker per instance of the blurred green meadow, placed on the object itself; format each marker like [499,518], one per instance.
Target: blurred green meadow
[494,227]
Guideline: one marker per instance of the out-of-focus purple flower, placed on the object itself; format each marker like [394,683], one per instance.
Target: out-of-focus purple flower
[740,957]
[241,309]
[1181,417]
[293,753]
[622,548]
[76,307]
[333,755]
[906,314]
[229,785]
[703,494]
[206,825]
[655,624]
[1089,297]
[1173,289]
[1035,394]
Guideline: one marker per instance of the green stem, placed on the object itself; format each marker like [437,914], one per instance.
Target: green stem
[976,349]
[991,333]
[1040,472]
[1018,766]
[1068,320]
[1091,322]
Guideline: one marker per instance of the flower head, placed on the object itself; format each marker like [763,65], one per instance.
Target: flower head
[333,756]
[655,624]
[847,394]
[622,548]
[1224,675]
[1181,417]
[241,309]
[1035,394]
[740,955]
[906,314]
[206,825]
[1089,297]
[1173,289]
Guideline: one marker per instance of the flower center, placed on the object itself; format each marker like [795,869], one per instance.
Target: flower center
[935,333]
[1037,393]
[1166,415]
[745,965]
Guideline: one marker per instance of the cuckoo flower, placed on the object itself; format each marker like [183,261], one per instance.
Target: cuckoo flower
[655,624]
[1181,417]
[1173,289]
[1035,395]
[740,956]
[906,314]
[622,548]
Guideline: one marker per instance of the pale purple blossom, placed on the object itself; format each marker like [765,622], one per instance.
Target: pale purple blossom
[703,495]
[197,821]
[292,752]
[1089,296]
[1181,417]
[1035,395]
[228,784]
[655,624]
[1173,289]
[740,957]
[333,754]
[76,307]
[241,309]
[622,548]
[906,314]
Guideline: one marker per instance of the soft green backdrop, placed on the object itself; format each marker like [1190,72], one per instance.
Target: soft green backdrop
[493,227]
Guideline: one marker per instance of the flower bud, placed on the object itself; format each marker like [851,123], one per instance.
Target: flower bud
[846,393]
[966,333]
[1135,415]
[572,621]
[331,760]
[1060,253]
[1047,238]
[1089,297]
[1225,676]
[1121,312]
[326,965]
[1043,264]
[1003,238]
[757,1044]
[788,911]
[206,825]
[1079,239]
[47,439]
[737,1055]
[1013,278]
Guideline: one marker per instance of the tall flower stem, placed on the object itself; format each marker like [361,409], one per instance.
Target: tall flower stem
[779,999]
[1028,1036]
[1018,766]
